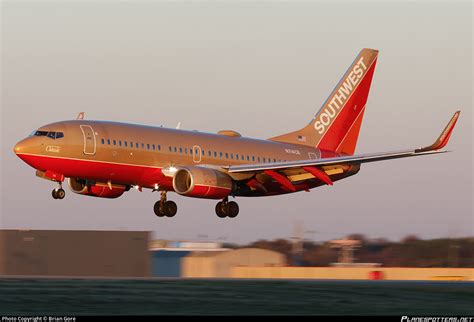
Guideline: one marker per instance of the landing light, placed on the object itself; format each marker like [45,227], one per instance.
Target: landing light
[170,171]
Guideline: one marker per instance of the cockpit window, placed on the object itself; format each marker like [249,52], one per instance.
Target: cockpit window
[50,134]
[41,133]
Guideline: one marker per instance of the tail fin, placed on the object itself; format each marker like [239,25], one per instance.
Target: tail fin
[336,126]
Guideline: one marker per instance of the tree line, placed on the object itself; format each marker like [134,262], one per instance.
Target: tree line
[409,252]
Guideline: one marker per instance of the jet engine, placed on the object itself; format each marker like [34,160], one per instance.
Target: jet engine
[202,182]
[101,190]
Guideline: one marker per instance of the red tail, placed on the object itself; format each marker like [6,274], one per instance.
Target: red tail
[337,124]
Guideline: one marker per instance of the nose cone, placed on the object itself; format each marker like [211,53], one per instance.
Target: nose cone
[20,147]
[17,148]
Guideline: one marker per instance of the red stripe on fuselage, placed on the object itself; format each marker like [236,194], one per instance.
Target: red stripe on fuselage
[144,176]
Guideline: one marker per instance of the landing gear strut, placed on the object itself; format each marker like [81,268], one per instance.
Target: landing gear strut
[164,208]
[58,193]
[225,208]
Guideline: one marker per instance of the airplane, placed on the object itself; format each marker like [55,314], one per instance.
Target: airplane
[105,159]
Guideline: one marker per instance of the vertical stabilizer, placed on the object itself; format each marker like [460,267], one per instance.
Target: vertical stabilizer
[337,124]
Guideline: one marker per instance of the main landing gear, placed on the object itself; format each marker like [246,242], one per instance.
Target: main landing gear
[58,193]
[164,208]
[226,208]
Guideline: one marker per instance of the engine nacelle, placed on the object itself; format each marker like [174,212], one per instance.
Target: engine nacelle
[202,182]
[100,190]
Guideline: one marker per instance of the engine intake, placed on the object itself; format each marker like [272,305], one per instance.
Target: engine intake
[202,182]
[100,190]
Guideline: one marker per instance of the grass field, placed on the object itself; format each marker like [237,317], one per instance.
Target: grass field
[58,296]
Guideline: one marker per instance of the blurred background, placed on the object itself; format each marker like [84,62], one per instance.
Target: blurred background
[260,68]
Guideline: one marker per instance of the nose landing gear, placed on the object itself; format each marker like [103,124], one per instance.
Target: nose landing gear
[58,193]
[225,208]
[165,207]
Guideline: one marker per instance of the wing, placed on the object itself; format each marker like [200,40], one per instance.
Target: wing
[321,168]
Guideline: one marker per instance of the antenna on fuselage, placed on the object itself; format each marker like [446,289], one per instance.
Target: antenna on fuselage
[178,125]
[80,116]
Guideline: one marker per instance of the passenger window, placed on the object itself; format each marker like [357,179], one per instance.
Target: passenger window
[253,158]
[191,151]
[103,141]
[131,144]
[181,150]
[209,153]
[170,149]
[159,147]
[108,141]
[232,156]
[263,160]
[143,145]
[220,154]
[175,149]
[186,150]
[153,147]
[120,142]
[125,143]
[258,159]
[227,155]
[148,146]
[215,154]
[248,158]
[137,145]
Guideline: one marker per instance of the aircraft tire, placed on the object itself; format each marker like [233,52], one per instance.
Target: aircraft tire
[54,193]
[220,210]
[158,209]
[232,209]
[170,208]
[60,193]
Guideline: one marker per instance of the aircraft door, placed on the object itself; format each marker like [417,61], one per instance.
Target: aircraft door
[196,154]
[90,143]
[312,156]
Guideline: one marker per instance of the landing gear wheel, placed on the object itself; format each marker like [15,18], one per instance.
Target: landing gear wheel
[221,210]
[157,208]
[61,193]
[58,193]
[164,208]
[170,208]
[232,209]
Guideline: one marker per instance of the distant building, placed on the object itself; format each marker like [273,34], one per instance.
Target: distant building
[220,264]
[167,256]
[74,253]
[346,249]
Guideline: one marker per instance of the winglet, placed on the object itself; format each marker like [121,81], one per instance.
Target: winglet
[444,137]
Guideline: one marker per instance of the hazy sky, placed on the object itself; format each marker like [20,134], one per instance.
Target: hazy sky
[263,69]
